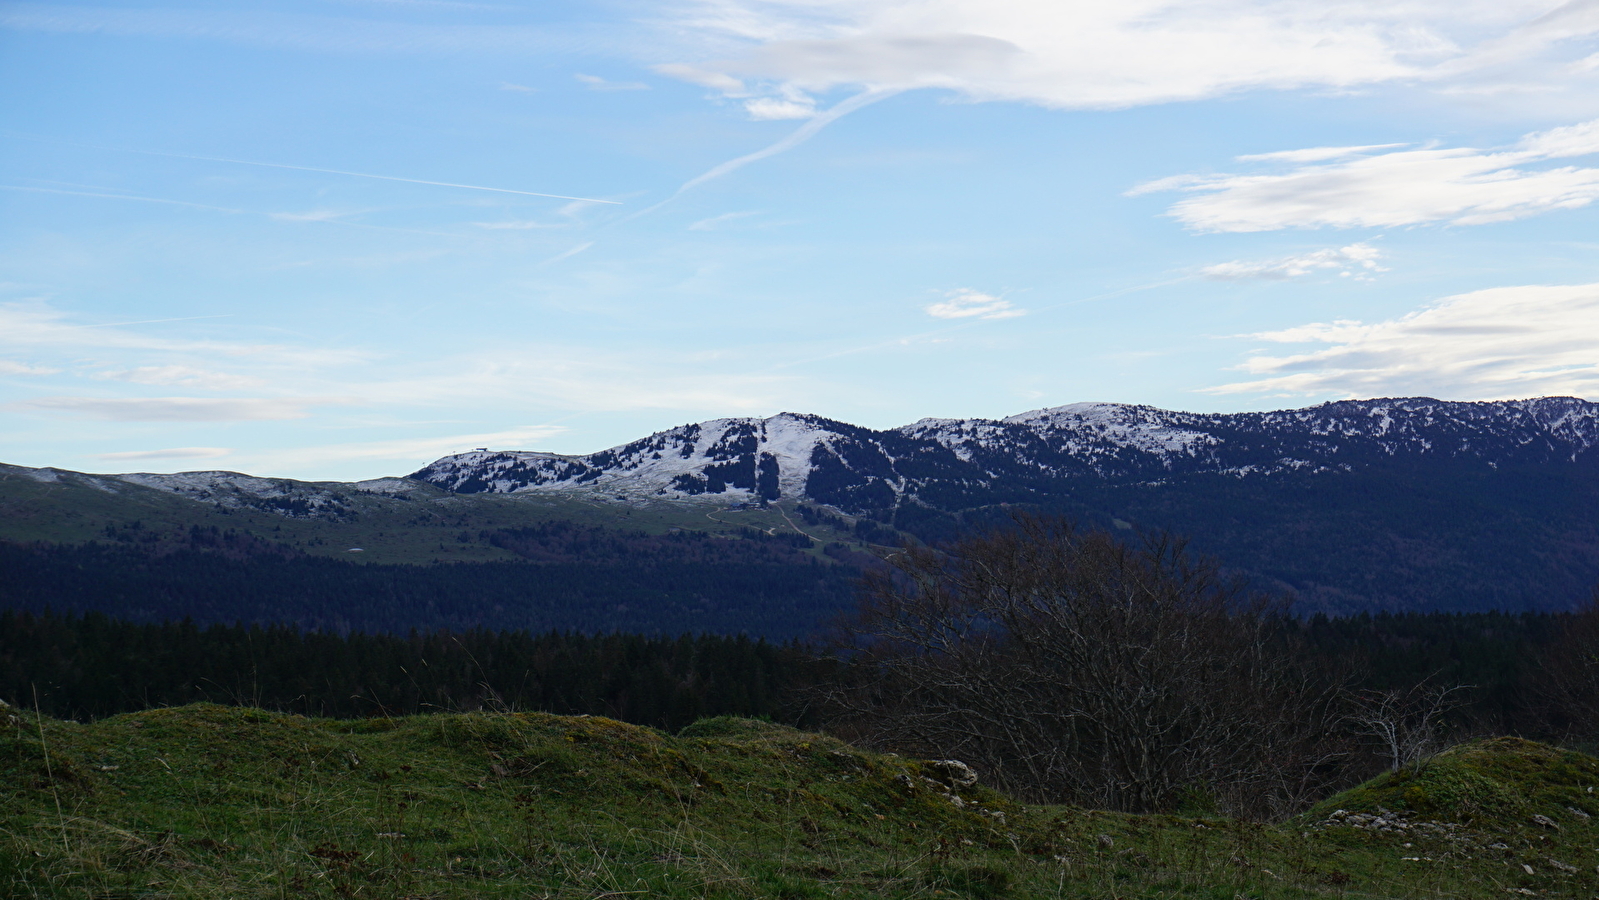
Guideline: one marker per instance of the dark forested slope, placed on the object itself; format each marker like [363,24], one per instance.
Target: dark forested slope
[571,578]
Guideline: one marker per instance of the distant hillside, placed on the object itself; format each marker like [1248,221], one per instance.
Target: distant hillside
[1402,504]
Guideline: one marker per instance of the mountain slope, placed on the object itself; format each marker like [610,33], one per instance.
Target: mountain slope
[1398,504]
[790,456]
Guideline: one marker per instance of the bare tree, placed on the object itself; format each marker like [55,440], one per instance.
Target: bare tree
[1074,667]
[1407,723]
[1567,681]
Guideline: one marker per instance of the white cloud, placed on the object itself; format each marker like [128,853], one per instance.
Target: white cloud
[718,81]
[1110,54]
[1463,186]
[12,367]
[1486,345]
[966,303]
[596,83]
[1356,259]
[770,108]
[1315,154]
[175,409]
[184,376]
[170,453]
[519,88]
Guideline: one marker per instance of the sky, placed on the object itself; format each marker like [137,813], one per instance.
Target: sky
[338,239]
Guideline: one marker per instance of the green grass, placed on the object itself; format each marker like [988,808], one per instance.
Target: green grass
[219,802]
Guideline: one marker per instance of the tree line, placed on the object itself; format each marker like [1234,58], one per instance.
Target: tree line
[90,666]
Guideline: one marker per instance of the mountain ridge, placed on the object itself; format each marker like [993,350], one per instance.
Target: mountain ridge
[1349,506]
[807,457]
[801,456]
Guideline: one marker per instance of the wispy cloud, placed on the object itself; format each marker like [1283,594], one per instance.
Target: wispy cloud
[316,215]
[439,4]
[448,184]
[519,88]
[1486,345]
[511,374]
[183,376]
[596,83]
[1463,186]
[327,34]
[585,380]
[715,222]
[42,328]
[120,196]
[1357,260]
[966,303]
[569,253]
[176,409]
[12,367]
[169,453]
[519,225]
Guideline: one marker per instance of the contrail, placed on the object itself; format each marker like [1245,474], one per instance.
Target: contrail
[152,321]
[44,190]
[470,187]
[224,209]
[248,162]
[799,136]
[570,253]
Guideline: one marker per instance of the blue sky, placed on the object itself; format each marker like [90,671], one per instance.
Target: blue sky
[317,239]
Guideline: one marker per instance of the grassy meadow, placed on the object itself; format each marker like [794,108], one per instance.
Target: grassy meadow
[209,801]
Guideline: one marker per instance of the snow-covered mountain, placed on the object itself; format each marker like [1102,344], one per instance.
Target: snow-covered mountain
[950,462]
[1400,504]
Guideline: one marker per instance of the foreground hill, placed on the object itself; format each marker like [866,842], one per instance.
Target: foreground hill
[208,801]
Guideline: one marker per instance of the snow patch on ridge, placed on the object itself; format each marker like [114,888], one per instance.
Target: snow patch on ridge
[944,463]
[234,490]
[732,458]
[747,457]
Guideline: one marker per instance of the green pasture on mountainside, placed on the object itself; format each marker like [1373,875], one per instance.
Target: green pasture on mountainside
[210,802]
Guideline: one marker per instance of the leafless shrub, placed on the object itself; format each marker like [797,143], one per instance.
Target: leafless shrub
[1567,681]
[1072,667]
[1407,724]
